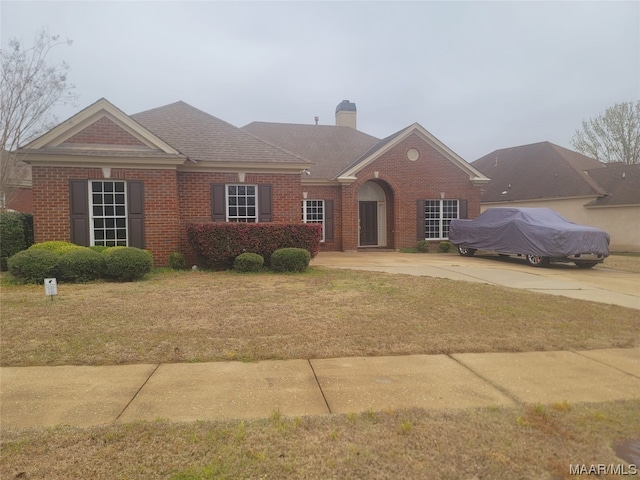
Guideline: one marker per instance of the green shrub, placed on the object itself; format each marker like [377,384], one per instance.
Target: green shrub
[290,260]
[423,246]
[248,262]
[12,236]
[80,265]
[125,264]
[219,243]
[177,261]
[33,266]
[56,246]
[444,247]
[98,248]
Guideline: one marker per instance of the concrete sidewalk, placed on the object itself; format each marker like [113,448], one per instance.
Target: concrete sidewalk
[85,396]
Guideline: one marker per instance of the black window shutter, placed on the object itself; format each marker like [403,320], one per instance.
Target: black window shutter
[135,215]
[79,212]
[218,207]
[328,220]
[264,203]
[420,220]
[463,208]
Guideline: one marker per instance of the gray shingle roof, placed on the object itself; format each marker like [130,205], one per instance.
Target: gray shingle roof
[621,182]
[539,170]
[330,148]
[205,138]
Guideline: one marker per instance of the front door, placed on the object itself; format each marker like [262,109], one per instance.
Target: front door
[368,223]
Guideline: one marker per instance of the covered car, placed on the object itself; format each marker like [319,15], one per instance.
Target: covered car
[540,234]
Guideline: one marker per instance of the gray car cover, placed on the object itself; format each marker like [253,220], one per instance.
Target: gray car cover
[528,231]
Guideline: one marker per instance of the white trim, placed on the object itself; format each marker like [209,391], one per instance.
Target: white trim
[324,214]
[227,206]
[92,239]
[475,176]
[83,119]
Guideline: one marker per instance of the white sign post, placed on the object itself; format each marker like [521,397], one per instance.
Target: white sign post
[50,287]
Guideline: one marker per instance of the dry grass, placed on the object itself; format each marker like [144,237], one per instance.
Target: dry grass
[526,442]
[198,316]
[628,262]
[209,316]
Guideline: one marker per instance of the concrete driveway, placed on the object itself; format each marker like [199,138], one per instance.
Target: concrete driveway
[598,284]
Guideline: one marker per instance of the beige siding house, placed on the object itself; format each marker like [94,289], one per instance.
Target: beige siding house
[580,188]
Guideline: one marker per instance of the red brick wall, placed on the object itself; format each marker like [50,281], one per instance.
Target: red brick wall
[408,182]
[20,200]
[51,204]
[194,194]
[104,132]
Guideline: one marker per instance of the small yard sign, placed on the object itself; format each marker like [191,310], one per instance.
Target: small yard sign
[50,287]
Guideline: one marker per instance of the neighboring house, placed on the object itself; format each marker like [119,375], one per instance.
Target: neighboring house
[106,178]
[15,186]
[585,191]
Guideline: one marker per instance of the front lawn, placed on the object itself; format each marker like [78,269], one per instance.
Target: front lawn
[197,316]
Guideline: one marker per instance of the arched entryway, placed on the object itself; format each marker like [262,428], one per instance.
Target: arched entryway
[374,207]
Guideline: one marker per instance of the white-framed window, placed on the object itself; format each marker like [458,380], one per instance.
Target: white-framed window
[313,212]
[242,203]
[437,217]
[108,212]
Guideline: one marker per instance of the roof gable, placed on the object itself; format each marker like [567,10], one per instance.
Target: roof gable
[98,121]
[349,173]
[535,171]
[205,139]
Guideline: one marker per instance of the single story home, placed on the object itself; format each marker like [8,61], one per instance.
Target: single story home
[103,177]
[582,189]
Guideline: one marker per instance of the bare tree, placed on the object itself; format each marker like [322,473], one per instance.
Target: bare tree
[613,136]
[30,89]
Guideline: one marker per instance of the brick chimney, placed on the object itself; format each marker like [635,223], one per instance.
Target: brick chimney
[346,114]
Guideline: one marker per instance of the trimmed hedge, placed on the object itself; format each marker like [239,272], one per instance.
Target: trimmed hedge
[125,264]
[177,261]
[56,246]
[34,265]
[80,265]
[72,263]
[218,244]
[248,262]
[290,260]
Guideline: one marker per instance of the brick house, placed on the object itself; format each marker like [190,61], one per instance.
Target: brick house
[103,177]
[585,191]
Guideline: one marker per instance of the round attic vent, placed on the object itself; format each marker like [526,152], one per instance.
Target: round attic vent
[413,154]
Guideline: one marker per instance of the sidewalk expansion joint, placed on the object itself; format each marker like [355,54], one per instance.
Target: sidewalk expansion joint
[137,392]
[324,397]
[486,380]
[604,363]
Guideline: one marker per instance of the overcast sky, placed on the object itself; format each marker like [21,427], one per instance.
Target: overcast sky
[480,76]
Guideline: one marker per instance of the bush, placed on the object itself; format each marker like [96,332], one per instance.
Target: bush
[55,246]
[33,265]
[423,246]
[12,236]
[248,262]
[177,261]
[80,265]
[218,244]
[126,264]
[290,260]
[444,247]
[98,248]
